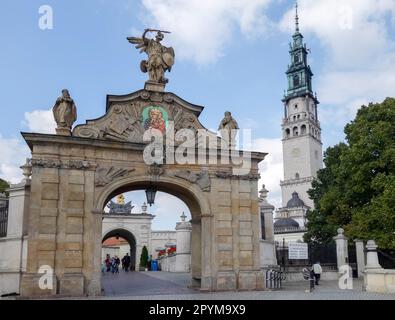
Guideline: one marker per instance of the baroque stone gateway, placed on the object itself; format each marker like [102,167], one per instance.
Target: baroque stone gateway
[75,176]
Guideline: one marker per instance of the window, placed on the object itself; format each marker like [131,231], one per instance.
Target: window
[303,129]
[3,219]
[297,176]
[295,131]
[296,107]
[296,81]
[287,133]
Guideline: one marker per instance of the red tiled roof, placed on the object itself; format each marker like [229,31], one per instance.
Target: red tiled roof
[114,242]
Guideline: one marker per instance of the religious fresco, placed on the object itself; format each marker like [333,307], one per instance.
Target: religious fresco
[155,117]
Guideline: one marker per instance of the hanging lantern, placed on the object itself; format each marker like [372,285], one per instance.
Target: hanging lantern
[151,193]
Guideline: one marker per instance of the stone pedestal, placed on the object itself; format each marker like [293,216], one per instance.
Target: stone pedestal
[377,279]
[30,286]
[154,86]
[372,259]
[183,235]
[341,248]
[360,257]
[63,132]
[267,245]
[71,285]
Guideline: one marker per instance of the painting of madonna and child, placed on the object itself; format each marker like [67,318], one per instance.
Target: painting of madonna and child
[155,117]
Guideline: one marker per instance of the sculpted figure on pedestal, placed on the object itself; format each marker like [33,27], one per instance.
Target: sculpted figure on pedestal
[65,112]
[160,58]
[228,128]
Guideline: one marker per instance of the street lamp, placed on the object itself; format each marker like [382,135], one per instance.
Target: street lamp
[151,193]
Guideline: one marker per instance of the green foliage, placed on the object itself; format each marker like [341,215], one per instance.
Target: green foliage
[4,185]
[356,189]
[144,257]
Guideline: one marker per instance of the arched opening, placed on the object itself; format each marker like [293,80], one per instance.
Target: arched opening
[118,243]
[303,129]
[287,133]
[295,131]
[297,176]
[193,209]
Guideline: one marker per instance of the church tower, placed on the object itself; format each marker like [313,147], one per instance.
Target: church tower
[302,146]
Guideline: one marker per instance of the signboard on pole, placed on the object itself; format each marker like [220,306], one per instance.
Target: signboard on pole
[298,251]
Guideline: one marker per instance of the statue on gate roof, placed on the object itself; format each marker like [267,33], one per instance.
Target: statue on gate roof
[160,58]
[65,113]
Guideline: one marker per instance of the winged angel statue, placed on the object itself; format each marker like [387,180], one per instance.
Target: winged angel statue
[160,58]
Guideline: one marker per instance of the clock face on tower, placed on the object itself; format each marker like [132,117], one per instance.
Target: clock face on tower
[295,152]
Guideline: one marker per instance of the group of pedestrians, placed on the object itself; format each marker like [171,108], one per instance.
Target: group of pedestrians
[112,264]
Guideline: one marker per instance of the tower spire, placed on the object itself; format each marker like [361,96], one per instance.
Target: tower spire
[296,17]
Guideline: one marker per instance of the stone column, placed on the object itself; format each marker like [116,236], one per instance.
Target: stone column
[372,259]
[183,236]
[207,259]
[267,244]
[341,248]
[196,248]
[360,257]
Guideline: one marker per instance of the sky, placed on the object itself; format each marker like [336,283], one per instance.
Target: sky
[231,55]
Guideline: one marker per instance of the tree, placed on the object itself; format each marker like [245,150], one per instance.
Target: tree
[356,189]
[4,185]
[144,257]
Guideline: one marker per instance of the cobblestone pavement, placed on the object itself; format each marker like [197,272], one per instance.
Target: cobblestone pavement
[173,286]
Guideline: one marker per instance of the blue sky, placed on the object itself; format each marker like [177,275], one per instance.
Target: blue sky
[230,55]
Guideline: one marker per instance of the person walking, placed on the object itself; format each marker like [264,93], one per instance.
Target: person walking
[108,263]
[126,262]
[317,272]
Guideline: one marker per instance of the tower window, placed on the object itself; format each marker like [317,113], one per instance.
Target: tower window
[303,129]
[295,131]
[296,81]
[297,176]
[287,133]
[296,107]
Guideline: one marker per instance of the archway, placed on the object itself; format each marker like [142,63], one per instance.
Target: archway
[182,190]
[130,238]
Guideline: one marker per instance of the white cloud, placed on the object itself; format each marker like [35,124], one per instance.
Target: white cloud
[202,28]
[271,168]
[13,155]
[40,121]
[167,211]
[356,37]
